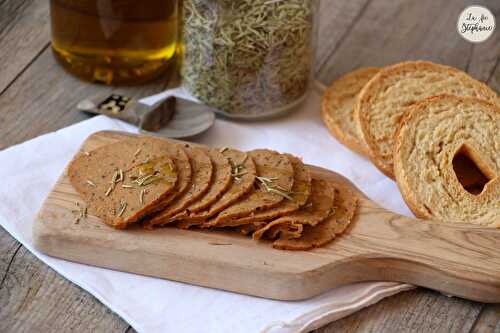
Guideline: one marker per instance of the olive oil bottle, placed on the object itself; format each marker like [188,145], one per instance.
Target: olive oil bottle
[114,41]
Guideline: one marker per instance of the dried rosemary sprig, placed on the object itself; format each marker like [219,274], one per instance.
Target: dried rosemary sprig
[82,212]
[269,186]
[118,176]
[123,206]
[238,169]
[247,56]
[141,196]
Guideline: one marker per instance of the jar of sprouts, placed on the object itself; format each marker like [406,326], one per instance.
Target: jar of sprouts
[249,59]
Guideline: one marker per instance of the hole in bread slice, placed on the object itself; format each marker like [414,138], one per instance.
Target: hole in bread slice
[471,171]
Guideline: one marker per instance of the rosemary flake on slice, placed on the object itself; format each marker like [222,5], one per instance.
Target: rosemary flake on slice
[115,178]
[120,174]
[109,190]
[141,197]
[267,184]
[141,180]
[150,181]
[91,183]
[283,194]
[123,206]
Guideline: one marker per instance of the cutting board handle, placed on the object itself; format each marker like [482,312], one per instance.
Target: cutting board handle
[456,259]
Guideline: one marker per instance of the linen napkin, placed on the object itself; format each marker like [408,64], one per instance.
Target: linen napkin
[29,171]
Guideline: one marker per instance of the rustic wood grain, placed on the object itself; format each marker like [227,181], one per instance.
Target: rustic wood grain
[24,30]
[388,32]
[488,320]
[34,298]
[411,311]
[45,97]
[336,19]
[337,54]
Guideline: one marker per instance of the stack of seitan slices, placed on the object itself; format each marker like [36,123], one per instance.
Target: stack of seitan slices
[243,172]
[157,182]
[202,172]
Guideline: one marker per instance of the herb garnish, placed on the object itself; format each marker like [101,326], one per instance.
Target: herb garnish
[267,184]
[238,169]
[118,176]
[123,206]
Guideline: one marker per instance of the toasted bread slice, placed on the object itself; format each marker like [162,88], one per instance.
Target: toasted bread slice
[337,108]
[432,135]
[385,99]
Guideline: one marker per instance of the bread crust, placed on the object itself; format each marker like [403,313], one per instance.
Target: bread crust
[397,87]
[337,111]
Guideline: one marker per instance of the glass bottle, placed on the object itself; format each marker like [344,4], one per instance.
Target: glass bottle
[114,41]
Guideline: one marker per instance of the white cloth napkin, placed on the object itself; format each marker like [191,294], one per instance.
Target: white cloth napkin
[28,172]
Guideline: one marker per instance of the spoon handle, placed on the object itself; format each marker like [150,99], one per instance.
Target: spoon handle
[116,106]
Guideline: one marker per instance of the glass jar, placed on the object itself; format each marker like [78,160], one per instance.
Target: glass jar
[248,58]
[114,41]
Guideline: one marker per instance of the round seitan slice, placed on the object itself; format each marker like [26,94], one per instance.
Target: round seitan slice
[120,186]
[202,170]
[300,194]
[324,232]
[243,173]
[274,184]
[318,208]
[220,183]
[183,166]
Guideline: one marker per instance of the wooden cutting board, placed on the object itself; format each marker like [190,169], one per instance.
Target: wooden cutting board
[459,260]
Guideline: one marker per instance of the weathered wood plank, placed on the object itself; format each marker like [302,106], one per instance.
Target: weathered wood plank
[33,297]
[336,19]
[488,320]
[413,311]
[484,60]
[45,97]
[8,249]
[494,78]
[24,33]
[384,31]
[390,32]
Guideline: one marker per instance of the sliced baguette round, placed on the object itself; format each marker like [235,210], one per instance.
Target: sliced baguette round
[385,99]
[430,137]
[337,108]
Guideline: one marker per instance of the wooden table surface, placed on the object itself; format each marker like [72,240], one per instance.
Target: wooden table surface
[37,96]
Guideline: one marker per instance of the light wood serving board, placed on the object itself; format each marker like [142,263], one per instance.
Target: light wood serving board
[459,260]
